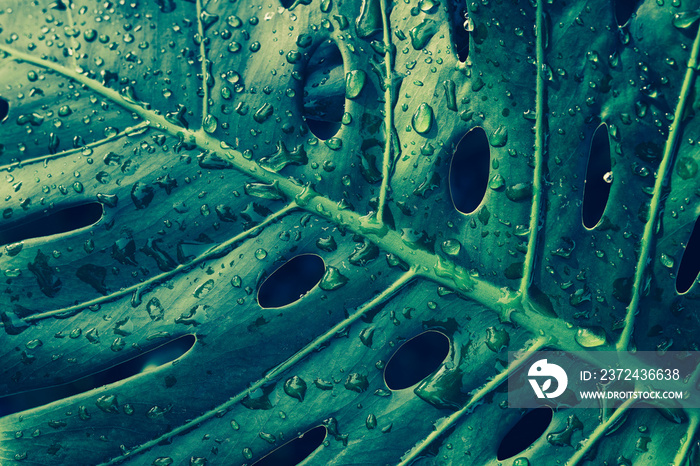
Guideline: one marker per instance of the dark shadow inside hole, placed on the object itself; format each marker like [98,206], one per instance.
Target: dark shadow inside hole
[460,35]
[60,221]
[598,178]
[291,281]
[286,3]
[624,10]
[324,91]
[529,428]
[4,109]
[416,359]
[690,263]
[469,172]
[322,129]
[295,451]
[145,362]
[461,44]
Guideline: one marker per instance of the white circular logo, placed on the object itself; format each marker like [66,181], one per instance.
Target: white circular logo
[541,369]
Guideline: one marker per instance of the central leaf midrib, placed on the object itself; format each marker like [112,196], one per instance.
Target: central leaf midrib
[540,129]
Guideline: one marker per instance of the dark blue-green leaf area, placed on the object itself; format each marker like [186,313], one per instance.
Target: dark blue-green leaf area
[162,160]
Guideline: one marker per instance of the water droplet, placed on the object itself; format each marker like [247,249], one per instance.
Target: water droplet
[295,387]
[685,19]
[332,279]
[563,437]
[450,95]
[264,191]
[356,382]
[155,309]
[451,247]
[686,167]
[354,83]
[263,113]
[371,422]
[210,124]
[421,34]
[108,403]
[423,118]
[334,143]
[163,461]
[370,19]
[519,192]
[208,19]
[499,137]
[667,261]
[203,289]
[591,337]
[497,339]
[497,182]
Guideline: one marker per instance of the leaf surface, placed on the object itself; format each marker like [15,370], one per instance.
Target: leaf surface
[186,122]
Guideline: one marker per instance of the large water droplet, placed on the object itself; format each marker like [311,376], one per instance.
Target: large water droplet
[499,136]
[685,19]
[421,34]
[370,19]
[295,387]
[332,279]
[451,247]
[263,113]
[210,124]
[423,119]
[590,337]
[354,83]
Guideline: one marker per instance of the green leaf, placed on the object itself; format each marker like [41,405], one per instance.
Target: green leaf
[185,121]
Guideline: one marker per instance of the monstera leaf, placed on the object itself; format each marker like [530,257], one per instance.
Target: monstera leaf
[175,137]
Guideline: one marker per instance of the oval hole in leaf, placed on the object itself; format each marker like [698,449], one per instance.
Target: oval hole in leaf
[53,223]
[286,3]
[291,281]
[460,34]
[469,171]
[624,10]
[145,362]
[529,428]
[690,263]
[416,359]
[295,451]
[598,178]
[324,91]
[4,109]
